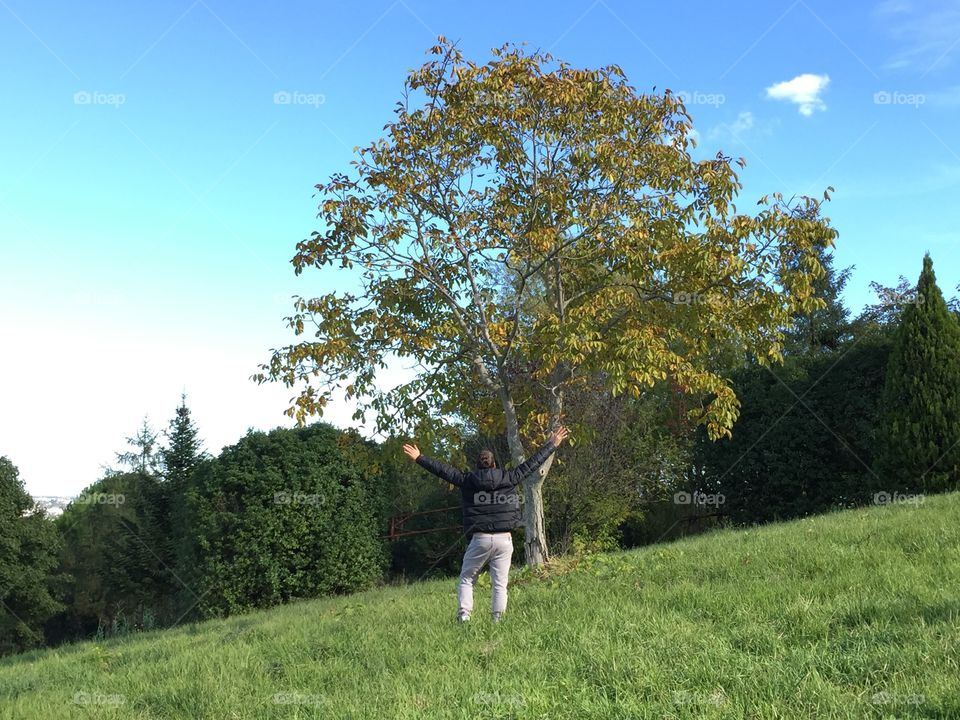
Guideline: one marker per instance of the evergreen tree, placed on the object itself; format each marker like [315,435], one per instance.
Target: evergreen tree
[181,457]
[827,328]
[144,456]
[29,543]
[107,556]
[919,430]
[184,451]
[804,442]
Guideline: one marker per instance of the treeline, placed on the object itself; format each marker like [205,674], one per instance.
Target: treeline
[861,411]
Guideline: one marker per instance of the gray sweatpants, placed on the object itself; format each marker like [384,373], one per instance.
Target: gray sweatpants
[493,548]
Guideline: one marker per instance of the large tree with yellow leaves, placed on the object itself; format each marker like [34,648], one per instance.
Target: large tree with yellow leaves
[524,226]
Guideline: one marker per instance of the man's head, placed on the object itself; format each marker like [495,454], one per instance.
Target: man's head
[485,460]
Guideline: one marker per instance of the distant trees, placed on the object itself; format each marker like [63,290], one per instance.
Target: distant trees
[826,328]
[919,430]
[121,536]
[28,557]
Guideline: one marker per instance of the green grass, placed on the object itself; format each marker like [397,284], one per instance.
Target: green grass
[849,615]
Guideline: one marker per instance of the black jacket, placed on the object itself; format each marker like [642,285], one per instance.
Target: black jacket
[490,500]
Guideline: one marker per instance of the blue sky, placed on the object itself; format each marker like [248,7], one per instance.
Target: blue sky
[152,190]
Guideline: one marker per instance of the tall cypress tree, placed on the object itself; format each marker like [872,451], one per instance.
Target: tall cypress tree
[919,430]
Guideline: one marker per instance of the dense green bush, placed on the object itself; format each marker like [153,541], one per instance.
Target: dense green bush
[281,515]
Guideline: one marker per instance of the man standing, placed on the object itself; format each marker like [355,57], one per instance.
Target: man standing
[491,509]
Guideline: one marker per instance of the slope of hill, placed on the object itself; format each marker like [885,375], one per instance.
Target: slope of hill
[854,614]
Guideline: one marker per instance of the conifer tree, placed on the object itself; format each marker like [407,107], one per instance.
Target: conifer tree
[185,451]
[919,429]
[182,455]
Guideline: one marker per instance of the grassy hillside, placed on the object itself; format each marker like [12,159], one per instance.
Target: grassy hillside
[849,615]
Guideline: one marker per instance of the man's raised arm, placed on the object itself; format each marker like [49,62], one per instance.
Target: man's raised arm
[440,469]
[520,472]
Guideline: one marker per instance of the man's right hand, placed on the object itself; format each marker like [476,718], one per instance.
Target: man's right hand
[412,451]
[559,435]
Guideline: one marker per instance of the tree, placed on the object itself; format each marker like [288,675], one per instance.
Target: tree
[184,451]
[29,543]
[166,515]
[920,421]
[823,329]
[116,577]
[144,457]
[525,225]
[123,532]
[288,514]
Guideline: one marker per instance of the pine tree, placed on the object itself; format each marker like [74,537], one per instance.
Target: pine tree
[182,455]
[143,458]
[827,328]
[919,429]
[185,451]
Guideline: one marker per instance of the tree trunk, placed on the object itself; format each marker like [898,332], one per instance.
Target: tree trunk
[535,540]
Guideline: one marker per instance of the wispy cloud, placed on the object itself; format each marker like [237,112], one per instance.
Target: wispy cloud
[927,34]
[743,123]
[804,91]
[948,97]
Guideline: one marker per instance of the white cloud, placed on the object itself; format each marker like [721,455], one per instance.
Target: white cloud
[804,90]
[735,129]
